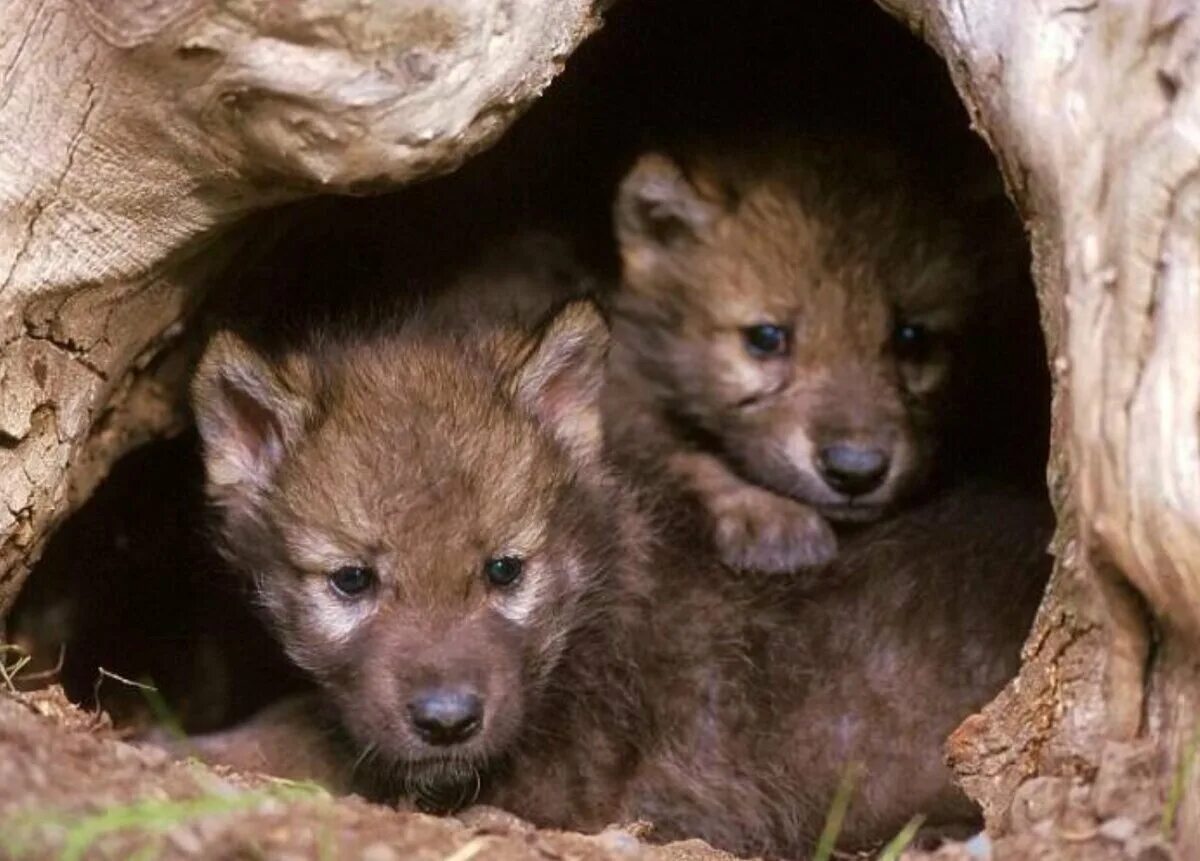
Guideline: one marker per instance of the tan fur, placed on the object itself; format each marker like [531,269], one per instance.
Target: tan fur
[831,240]
[623,676]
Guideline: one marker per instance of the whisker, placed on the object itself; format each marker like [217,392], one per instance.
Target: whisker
[363,756]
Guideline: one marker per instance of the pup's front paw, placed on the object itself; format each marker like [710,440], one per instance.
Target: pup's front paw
[756,530]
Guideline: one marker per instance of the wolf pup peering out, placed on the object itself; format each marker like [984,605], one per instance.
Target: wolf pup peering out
[787,328]
[488,614]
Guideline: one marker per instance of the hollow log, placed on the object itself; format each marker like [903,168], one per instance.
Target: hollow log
[1093,111]
[135,134]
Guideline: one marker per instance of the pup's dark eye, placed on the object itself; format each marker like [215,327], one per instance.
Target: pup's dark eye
[912,342]
[503,570]
[765,339]
[352,580]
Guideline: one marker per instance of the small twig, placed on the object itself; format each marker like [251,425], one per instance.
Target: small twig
[52,672]
[10,670]
[102,674]
[468,850]
[110,674]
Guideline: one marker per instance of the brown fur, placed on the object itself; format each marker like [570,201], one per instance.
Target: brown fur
[623,675]
[832,241]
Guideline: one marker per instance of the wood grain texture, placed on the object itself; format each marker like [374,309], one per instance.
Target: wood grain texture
[1093,111]
[135,133]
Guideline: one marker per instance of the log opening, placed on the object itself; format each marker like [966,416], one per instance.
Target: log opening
[128,584]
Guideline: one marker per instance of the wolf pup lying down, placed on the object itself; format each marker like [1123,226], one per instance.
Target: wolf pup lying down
[787,331]
[489,616]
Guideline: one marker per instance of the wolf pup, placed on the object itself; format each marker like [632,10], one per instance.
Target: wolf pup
[489,615]
[787,329]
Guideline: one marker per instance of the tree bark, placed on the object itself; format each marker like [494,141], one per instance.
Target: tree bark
[1093,110]
[134,133]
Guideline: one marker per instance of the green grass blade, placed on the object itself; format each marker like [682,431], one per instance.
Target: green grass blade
[1179,785]
[900,842]
[837,813]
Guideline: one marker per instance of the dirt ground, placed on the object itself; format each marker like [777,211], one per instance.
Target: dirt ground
[71,789]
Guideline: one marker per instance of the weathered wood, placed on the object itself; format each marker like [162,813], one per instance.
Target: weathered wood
[132,133]
[1094,112]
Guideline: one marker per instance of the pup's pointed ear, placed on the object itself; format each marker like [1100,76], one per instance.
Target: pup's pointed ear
[658,206]
[561,380]
[248,413]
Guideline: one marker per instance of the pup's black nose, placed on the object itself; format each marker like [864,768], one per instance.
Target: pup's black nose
[851,468]
[446,715]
